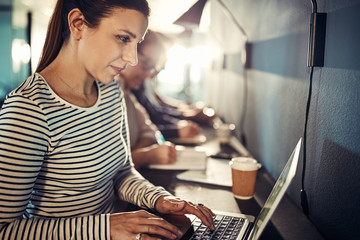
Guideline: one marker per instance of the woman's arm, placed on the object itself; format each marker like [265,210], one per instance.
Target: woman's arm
[24,140]
[129,184]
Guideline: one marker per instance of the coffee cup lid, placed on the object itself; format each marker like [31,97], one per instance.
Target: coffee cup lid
[244,163]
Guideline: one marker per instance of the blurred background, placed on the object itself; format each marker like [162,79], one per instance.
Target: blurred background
[248,60]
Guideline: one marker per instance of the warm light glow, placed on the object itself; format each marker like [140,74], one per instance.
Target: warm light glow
[199,56]
[210,112]
[177,54]
[174,72]
[20,53]
[184,67]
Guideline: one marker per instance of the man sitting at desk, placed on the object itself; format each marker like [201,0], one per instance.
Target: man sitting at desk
[151,56]
[146,141]
[146,144]
[174,118]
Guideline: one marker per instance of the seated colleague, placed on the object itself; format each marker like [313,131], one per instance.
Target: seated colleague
[165,109]
[64,135]
[150,55]
[145,148]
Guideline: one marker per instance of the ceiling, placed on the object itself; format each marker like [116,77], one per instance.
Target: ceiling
[163,12]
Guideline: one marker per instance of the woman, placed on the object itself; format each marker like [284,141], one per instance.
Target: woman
[64,139]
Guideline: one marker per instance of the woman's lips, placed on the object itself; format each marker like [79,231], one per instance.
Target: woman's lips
[117,69]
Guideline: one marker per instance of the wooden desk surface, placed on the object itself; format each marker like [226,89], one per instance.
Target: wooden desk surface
[288,222]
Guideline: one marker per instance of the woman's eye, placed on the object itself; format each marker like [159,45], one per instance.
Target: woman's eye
[124,39]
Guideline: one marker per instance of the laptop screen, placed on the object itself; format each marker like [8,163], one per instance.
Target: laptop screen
[277,193]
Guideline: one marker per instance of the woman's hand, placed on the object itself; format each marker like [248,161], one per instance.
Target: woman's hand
[173,205]
[129,224]
[163,154]
[188,129]
[154,154]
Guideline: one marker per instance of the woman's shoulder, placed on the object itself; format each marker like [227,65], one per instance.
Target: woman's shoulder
[26,99]
[31,87]
[32,93]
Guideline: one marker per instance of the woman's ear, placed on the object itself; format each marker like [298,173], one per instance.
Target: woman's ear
[76,22]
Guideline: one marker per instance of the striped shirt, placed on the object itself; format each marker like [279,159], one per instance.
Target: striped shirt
[61,166]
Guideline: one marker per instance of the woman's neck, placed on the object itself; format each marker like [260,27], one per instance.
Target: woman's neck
[70,81]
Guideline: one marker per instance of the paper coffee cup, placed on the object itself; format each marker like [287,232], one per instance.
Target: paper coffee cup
[244,171]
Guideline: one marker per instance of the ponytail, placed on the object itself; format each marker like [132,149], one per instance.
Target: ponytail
[53,40]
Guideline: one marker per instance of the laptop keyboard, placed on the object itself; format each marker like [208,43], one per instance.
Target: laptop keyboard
[226,227]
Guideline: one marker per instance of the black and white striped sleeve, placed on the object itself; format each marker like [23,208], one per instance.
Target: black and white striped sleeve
[131,186]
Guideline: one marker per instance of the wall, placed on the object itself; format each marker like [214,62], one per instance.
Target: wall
[13,26]
[5,47]
[277,81]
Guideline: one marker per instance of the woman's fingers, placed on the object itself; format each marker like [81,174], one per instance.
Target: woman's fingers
[202,212]
[165,154]
[207,213]
[173,154]
[154,224]
[154,230]
[174,205]
[133,223]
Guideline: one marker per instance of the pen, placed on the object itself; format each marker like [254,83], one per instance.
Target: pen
[222,155]
[159,138]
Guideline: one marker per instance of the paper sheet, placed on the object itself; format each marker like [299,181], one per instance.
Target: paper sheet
[218,172]
[188,158]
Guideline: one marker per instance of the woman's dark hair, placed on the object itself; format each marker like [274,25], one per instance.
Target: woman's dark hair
[93,10]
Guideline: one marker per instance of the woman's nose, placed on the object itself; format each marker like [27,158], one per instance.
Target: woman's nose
[130,56]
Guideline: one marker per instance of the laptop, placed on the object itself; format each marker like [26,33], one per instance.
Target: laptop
[235,226]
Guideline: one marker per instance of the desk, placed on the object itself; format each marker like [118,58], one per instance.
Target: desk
[288,222]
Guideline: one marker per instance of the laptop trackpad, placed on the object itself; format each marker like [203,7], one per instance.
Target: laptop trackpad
[180,221]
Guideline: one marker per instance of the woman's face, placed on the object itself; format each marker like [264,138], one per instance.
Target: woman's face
[134,76]
[106,50]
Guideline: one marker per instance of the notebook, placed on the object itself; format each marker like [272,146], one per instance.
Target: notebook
[217,172]
[239,226]
[193,158]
